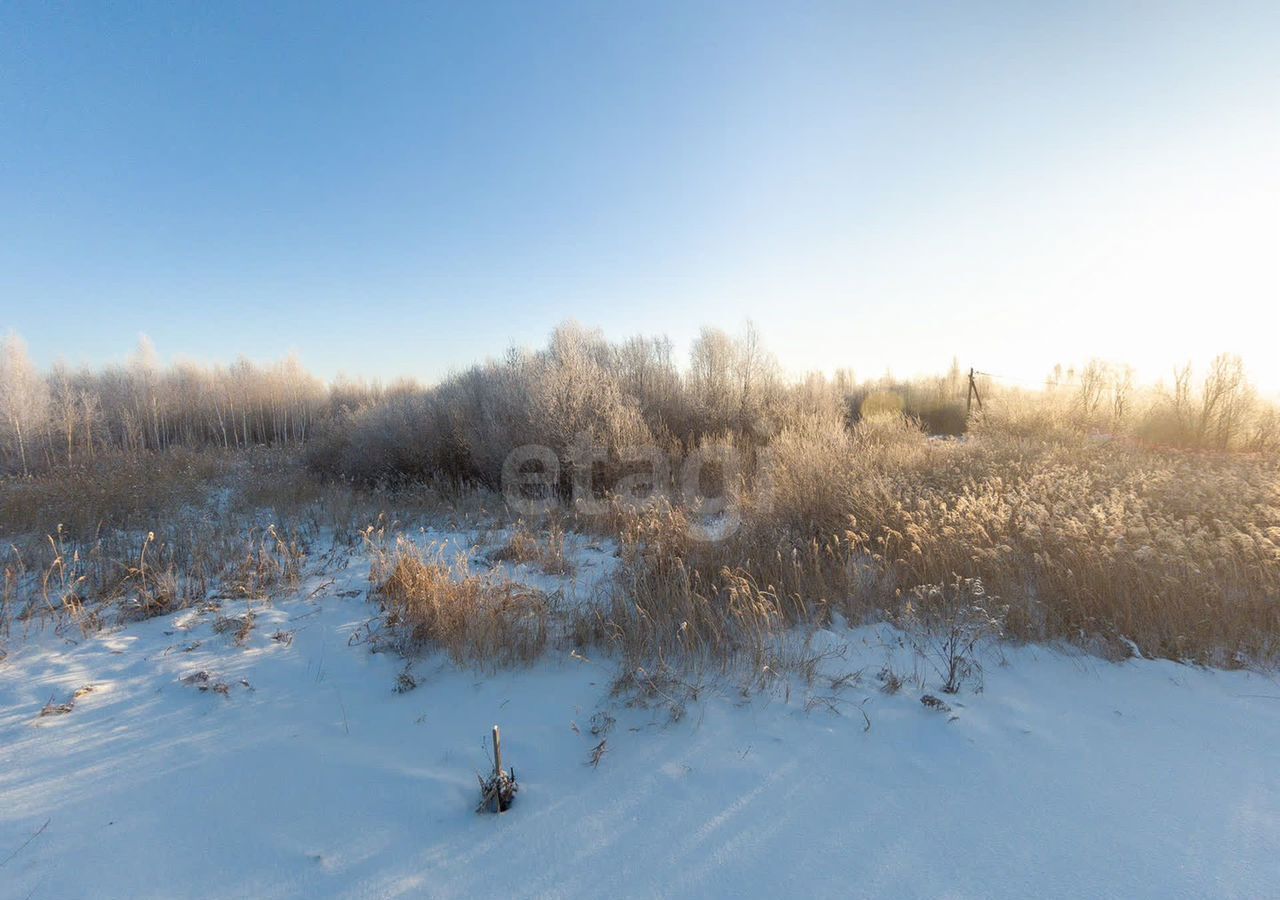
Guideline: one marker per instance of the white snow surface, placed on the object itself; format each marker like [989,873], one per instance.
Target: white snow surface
[1066,776]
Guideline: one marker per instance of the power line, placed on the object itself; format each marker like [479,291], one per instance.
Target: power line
[1045,383]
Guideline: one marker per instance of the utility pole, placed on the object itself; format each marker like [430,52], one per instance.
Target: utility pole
[973,392]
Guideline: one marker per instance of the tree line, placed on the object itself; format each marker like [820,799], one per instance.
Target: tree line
[66,416]
[579,386]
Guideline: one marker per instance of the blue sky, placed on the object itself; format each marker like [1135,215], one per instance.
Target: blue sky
[404,188]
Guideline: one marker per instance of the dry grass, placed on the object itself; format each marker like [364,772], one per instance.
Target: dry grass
[239,626]
[271,561]
[1178,553]
[682,609]
[439,603]
[120,575]
[134,536]
[1102,543]
[73,583]
[546,551]
[129,492]
[1107,543]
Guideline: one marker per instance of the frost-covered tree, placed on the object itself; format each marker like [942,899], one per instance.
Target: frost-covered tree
[24,399]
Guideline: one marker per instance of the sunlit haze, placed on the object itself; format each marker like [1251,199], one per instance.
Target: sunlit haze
[402,190]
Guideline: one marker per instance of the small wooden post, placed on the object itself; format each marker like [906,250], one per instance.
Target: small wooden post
[497,753]
[501,786]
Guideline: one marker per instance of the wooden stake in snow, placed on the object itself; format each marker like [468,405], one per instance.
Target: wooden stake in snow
[501,787]
[497,753]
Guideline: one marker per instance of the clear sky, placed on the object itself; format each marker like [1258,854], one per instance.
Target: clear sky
[395,188]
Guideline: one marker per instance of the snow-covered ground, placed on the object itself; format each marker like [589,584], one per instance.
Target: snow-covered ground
[310,776]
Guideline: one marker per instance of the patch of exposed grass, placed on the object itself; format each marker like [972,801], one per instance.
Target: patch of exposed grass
[440,603]
[545,550]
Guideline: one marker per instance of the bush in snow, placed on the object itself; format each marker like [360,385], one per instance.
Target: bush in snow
[947,622]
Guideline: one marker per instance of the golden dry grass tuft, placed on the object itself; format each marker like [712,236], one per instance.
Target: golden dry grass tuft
[681,604]
[437,602]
